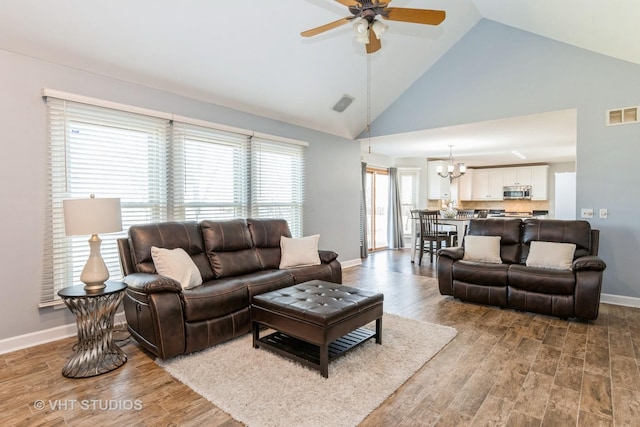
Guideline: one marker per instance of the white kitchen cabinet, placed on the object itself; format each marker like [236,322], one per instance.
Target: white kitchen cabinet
[438,187]
[518,176]
[539,182]
[465,186]
[487,184]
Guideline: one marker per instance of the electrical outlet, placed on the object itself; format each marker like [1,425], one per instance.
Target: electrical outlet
[586,213]
[604,213]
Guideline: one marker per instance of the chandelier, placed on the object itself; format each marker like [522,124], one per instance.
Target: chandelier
[453,170]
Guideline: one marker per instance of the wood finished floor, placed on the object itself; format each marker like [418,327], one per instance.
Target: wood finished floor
[504,368]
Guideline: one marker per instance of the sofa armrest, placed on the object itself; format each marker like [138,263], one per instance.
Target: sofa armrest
[152,283]
[327,256]
[454,253]
[589,262]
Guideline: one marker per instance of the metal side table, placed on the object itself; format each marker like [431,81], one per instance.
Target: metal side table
[95,353]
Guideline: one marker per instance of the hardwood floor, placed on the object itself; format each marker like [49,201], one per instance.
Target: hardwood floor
[504,368]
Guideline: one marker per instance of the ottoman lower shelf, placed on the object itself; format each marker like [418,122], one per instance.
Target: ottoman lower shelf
[309,354]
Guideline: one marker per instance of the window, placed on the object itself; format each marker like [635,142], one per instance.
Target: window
[277,187]
[161,170]
[209,170]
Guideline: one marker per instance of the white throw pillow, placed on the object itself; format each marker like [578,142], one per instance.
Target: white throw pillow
[177,265]
[558,256]
[482,248]
[299,252]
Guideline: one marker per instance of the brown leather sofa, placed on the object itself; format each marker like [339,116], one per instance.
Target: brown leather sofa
[236,259]
[512,284]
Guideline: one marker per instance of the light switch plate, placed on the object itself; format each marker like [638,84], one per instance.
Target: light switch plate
[604,213]
[586,213]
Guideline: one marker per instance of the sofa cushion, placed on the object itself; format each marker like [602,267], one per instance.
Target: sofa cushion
[482,248]
[304,274]
[214,299]
[480,273]
[170,235]
[176,264]
[230,249]
[266,234]
[551,255]
[507,228]
[559,231]
[267,281]
[299,252]
[542,280]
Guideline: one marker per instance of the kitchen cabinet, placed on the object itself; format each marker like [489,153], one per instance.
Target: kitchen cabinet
[465,186]
[539,182]
[437,187]
[518,176]
[487,184]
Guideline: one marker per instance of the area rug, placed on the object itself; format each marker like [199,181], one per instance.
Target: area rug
[259,388]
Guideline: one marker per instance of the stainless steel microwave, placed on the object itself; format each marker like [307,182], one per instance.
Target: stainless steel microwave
[520,192]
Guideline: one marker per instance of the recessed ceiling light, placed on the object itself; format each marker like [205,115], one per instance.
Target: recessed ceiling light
[519,154]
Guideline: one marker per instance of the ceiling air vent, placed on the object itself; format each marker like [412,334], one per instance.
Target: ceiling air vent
[344,102]
[622,116]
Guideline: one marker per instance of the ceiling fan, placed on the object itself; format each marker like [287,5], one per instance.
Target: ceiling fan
[368,29]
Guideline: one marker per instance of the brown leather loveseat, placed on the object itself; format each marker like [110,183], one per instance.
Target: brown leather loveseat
[236,260]
[510,282]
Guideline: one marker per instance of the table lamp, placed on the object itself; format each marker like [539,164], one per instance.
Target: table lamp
[92,216]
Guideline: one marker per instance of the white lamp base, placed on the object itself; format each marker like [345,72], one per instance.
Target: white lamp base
[95,271]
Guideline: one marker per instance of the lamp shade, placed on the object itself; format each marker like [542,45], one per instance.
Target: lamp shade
[92,216]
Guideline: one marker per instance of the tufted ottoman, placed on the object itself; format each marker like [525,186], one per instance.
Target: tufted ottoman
[316,321]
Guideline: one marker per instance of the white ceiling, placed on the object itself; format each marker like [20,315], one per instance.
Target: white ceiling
[250,55]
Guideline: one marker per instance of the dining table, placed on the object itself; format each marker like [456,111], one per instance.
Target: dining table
[460,223]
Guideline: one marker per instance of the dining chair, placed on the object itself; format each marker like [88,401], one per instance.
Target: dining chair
[431,237]
[462,214]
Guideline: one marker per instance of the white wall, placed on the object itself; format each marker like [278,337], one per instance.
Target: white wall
[333,176]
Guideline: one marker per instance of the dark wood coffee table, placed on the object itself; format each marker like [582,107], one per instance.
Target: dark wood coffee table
[316,322]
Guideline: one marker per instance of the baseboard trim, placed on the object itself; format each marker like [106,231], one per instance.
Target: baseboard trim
[20,342]
[42,337]
[620,300]
[351,263]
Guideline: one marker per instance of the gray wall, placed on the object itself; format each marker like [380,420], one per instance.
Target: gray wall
[496,72]
[333,177]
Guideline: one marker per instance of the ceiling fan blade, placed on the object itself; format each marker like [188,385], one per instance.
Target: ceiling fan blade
[417,16]
[374,44]
[348,3]
[326,27]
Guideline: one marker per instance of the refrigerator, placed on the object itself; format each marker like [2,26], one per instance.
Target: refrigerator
[565,195]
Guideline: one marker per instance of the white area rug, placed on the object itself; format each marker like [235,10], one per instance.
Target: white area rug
[260,388]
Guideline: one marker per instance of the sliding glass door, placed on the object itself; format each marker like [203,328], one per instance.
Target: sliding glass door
[377,199]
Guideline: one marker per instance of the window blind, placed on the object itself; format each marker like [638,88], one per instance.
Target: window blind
[209,170]
[161,170]
[109,153]
[277,181]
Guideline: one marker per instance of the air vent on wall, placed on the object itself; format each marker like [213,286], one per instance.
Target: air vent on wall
[622,116]
[344,102]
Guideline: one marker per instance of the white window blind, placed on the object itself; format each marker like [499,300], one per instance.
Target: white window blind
[112,154]
[161,170]
[209,170]
[277,181]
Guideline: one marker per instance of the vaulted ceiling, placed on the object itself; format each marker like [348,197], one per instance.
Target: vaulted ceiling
[249,55]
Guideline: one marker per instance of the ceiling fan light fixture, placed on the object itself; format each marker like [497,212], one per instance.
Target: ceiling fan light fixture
[378,28]
[361,30]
